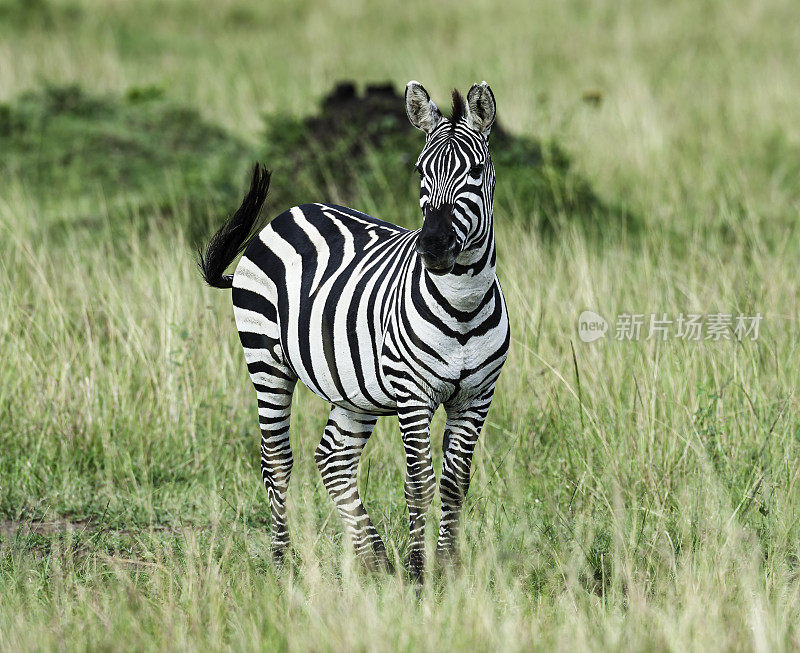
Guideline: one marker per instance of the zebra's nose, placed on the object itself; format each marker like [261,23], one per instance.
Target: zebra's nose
[438,234]
[438,240]
[434,241]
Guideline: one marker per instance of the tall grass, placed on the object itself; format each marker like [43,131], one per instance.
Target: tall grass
[630,495]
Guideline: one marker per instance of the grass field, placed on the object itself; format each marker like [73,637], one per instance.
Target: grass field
[626,495]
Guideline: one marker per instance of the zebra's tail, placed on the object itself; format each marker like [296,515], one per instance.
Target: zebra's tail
[235,234]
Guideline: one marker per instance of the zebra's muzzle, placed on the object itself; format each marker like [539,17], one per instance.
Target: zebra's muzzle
[437,244]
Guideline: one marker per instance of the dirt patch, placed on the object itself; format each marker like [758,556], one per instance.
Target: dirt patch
[82,540]
[10,528]
[377,115]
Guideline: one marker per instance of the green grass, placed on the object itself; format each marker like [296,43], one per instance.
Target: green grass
[626,495]
[83,159]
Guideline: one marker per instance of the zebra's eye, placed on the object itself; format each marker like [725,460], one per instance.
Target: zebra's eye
[476,170]
[419,170]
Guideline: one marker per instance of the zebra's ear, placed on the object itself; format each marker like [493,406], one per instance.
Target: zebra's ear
[421,110]
[481,108]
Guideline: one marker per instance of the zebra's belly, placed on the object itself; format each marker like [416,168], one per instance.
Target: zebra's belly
[342,365]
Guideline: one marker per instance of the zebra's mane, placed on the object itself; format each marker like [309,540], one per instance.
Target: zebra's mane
[459,109]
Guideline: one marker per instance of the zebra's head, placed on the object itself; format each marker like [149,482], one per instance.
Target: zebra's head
[456,173]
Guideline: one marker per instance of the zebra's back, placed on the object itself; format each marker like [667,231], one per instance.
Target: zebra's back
[313,293]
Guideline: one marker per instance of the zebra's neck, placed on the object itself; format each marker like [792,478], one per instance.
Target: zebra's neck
[472,277]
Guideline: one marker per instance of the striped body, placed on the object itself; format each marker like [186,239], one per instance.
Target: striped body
[343,301]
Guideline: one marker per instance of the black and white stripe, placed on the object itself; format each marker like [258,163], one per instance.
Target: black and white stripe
[377,320]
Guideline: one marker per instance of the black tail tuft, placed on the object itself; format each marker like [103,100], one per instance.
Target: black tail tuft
[233,236]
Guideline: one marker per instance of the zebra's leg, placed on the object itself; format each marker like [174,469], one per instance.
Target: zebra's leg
[274,381]
[460,437]
[420,483]
[274,388]
[337,456]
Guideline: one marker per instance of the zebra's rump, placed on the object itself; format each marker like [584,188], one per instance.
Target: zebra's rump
[312,294]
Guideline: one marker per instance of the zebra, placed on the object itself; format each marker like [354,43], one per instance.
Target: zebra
[376,320]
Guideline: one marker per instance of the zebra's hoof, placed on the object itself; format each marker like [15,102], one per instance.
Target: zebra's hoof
[417,576]
[416,567]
